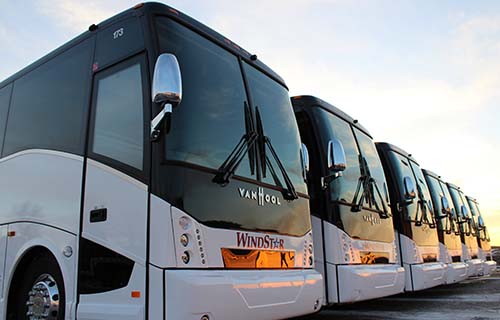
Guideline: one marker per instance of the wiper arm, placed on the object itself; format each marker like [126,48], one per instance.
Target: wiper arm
[369,184]
[289,192]
[244,146]
[426,209]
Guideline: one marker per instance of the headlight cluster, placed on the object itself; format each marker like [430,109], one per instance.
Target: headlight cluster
[308,252]
[190,242]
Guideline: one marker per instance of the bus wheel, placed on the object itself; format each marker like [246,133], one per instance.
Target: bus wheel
[41,291]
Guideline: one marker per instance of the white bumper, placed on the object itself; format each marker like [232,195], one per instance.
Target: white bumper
[363,282]
[242,294]
[456,272]
[475,267]
[425,275]
[489,267]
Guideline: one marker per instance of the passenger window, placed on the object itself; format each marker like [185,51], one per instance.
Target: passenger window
[4,107]
[119,118]
[49,104]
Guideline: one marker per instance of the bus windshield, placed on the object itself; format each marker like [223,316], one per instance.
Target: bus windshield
[418,212]
[218,108]
[365,214]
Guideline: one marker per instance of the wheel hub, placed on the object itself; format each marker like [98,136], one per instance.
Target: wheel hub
[43,299]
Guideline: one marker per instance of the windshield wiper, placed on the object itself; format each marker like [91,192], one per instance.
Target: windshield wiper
[289,192]
[426,209]
[369,184]
[244,146]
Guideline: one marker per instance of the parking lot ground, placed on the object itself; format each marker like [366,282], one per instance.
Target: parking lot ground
[477,299]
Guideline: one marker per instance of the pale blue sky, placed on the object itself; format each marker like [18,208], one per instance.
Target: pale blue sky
[422,74]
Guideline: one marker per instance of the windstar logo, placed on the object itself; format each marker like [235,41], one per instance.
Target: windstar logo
[259,196]
[244,240]
[372,219]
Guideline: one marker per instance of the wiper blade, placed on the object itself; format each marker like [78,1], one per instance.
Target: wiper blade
[370,186]
[244,146]
[289,192]
[423,205]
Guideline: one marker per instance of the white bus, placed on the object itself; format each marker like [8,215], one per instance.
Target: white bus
[470,248]
[448,228]
[483,237]
[414,221]
[355,248]
[151,169]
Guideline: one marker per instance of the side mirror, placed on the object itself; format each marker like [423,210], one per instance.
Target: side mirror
[445,204]
[336,156]
[480,223]
[166,90]
[409,189]
[336,161]
[304,156]
[464,212]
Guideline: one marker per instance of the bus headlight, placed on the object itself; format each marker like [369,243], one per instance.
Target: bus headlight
[184,239]
[185,257]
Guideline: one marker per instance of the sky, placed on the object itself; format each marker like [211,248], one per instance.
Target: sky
[423,75]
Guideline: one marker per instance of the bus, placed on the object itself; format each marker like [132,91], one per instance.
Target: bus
[353,234]
[470,248]
[151,169]
[414,222]
[448,228]
[483,237]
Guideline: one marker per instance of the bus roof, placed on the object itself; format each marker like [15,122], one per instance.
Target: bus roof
[312,101]
[454,186]
[432,174]
[152,8]
[390,147]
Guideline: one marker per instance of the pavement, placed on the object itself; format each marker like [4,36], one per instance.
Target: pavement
[472,299]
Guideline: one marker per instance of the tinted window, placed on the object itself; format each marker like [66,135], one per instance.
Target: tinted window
[118,131]
[422,234]
[279,125]
[436,194]
[4,108]
[210,120]
[403,169]
[423,190]
[343,187]
[49,104]
[371,156]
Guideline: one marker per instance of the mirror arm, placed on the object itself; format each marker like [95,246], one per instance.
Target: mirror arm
[165,113]
[325,181]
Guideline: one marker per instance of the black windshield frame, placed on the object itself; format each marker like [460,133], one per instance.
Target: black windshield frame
[189,186]
[295,172]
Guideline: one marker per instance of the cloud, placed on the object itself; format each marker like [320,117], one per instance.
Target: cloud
[76,16]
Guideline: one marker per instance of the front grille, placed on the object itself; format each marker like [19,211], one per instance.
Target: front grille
[455,259]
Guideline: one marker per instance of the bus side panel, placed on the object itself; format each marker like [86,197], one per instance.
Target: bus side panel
[3,249]
[121,304]
[30,235]
[41,186]
[115,217]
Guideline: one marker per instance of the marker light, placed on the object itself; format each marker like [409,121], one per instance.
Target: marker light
[184,239]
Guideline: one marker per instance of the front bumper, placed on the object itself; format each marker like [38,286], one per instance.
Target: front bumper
[475,267]
[489,267]
[363,282]
[456,272]
[425,275]
[242,294]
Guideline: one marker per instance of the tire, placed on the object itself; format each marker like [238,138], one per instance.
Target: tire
[44,271]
